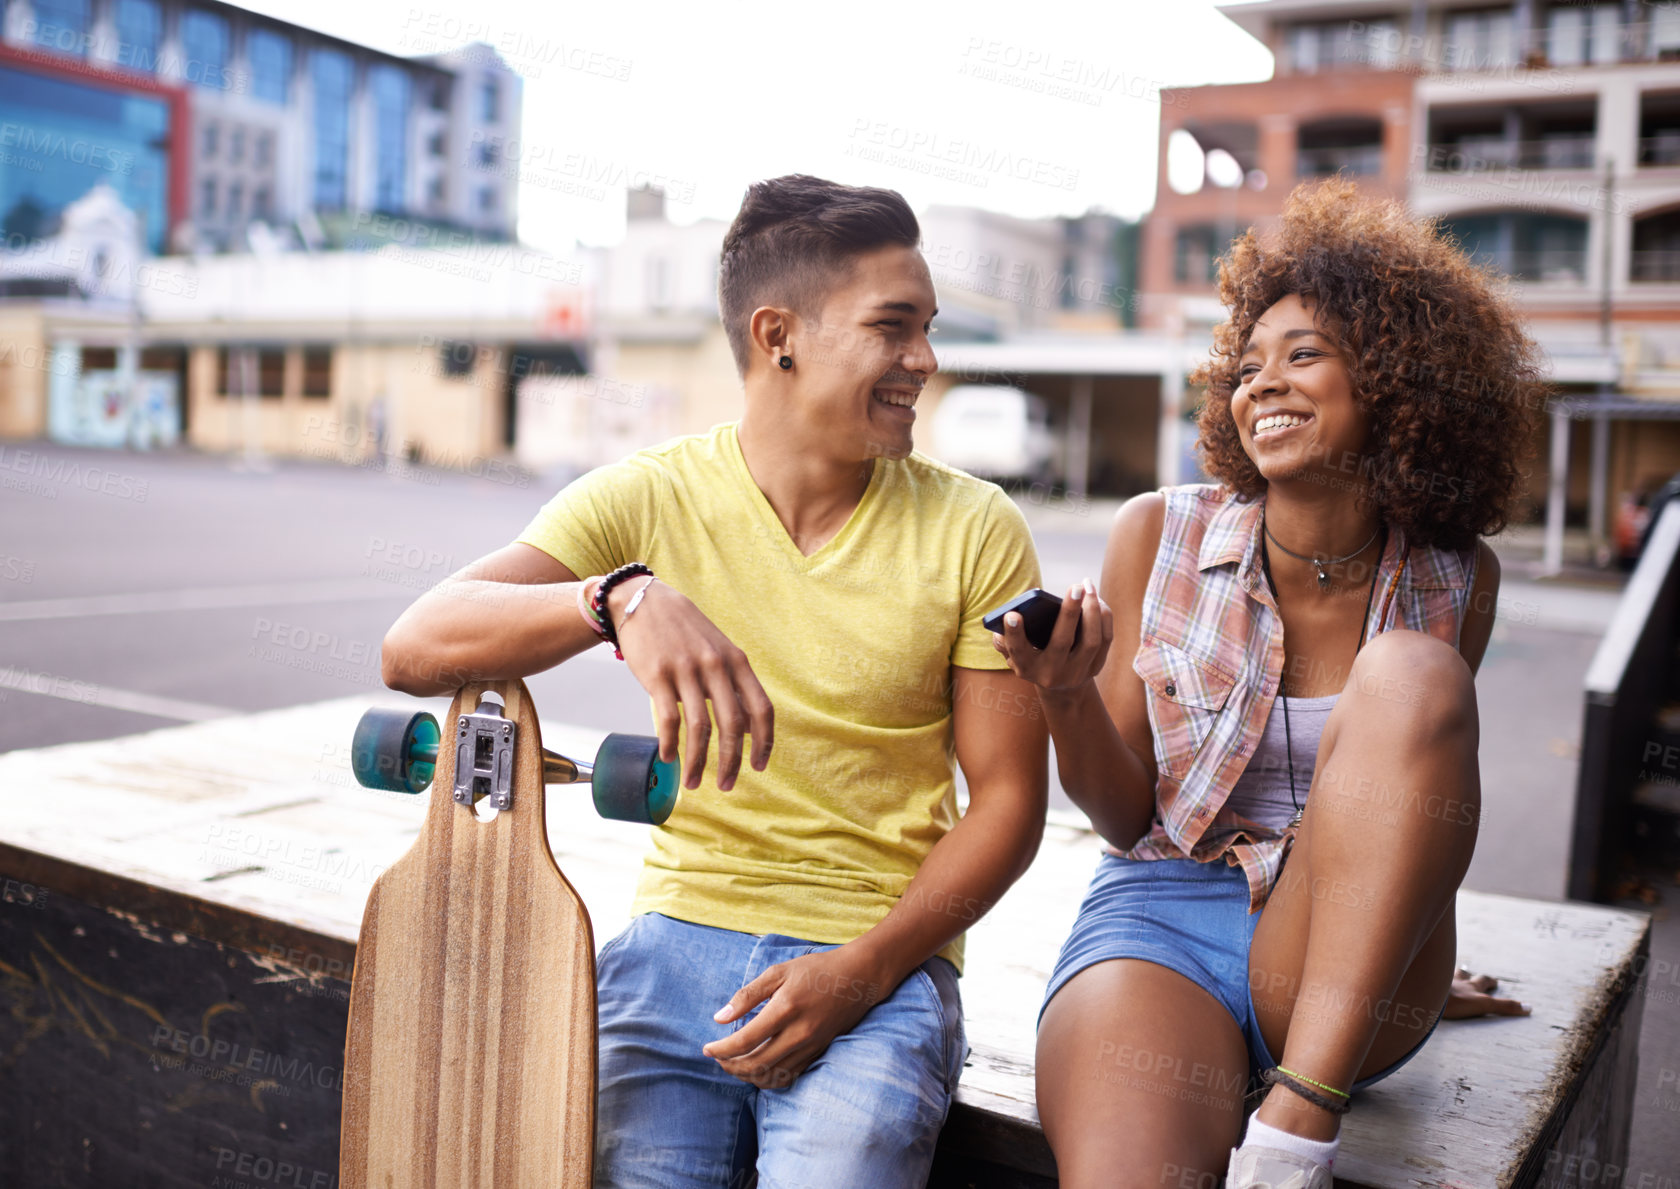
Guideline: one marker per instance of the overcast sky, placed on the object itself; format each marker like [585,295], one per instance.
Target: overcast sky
[1031,107]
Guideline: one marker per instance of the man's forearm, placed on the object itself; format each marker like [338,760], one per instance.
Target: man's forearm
[475,630]
[964,875]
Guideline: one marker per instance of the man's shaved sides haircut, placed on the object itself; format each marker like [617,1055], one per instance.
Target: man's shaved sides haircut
[794,240]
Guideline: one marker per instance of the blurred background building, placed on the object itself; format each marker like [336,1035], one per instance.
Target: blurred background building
[249,236]
[1545,136]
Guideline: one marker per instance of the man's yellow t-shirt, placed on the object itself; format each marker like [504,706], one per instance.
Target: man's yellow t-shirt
[854,646]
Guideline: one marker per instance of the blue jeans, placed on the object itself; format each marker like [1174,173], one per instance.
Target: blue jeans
[867,1112]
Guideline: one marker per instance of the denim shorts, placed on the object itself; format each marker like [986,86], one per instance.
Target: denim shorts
[866,1112]
[1188,916]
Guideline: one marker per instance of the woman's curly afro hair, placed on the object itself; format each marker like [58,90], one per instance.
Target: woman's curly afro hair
[1439,360]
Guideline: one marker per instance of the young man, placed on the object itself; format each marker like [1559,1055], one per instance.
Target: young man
[785,999]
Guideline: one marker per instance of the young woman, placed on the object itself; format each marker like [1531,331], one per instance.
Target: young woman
[1281,749]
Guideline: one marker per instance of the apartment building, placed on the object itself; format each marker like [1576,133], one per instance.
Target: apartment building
[1545,136]
[208,119]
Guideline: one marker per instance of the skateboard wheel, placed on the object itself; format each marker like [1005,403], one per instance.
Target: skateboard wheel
[395,750]
[631,783]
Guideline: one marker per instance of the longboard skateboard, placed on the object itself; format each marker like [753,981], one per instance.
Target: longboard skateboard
[470,1061]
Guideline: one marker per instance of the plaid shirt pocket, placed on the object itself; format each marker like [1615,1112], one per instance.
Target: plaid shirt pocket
[1185,697]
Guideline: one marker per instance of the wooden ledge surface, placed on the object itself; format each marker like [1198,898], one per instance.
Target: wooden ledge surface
[253,831]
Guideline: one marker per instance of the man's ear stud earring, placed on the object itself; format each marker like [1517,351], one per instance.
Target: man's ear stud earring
[785,363]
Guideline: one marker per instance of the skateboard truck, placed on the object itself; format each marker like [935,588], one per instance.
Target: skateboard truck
[397,751]
[484,757]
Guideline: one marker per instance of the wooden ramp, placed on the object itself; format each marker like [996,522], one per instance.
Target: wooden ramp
[180,916]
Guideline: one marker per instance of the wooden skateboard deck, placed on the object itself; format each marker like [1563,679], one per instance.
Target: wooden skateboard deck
[470,1062]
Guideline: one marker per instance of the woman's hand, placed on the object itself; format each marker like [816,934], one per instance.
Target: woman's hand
[1470,997]
[1061,665]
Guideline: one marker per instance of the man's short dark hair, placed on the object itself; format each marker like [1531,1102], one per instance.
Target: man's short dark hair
[794,239]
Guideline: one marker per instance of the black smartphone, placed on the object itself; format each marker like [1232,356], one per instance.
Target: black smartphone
[1039,609]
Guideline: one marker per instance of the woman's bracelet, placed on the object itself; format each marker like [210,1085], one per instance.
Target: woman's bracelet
[1278,1076]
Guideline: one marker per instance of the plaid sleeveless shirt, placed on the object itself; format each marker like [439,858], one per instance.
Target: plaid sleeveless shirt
[1210,653]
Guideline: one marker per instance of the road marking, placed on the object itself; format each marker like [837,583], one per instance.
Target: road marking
[200,598]
[90,693]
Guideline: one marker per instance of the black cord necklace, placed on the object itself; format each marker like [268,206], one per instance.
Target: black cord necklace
[1364,624]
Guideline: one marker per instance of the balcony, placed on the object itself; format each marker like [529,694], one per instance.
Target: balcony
[1574,151]
[1339,144]
[1661,149]
[1659,265]
[1656,248]
[1362,160]
[1524,245]
[1539,264]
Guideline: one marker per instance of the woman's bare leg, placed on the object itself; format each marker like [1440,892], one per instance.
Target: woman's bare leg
[1354,953]
[1141,1076]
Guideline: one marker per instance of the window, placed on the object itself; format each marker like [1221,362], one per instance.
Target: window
[160,359]
[207,197]
[389,86]
[1525,245]
[486,155]
[262,150]
[1336,44]
[63,25]
[490,101]
[236,145]
[1665,33]
[212,138]
[99,359]
[1580,34]
[139,32]
[317,371]
[271,372]
[1480,40]
[1199,248]
[262,203]
[236,200]
[204,36]
[487,200]
[437,94]
[270,54]
[331,73]
[434,143]
[57,111]
[232,374]
[434,192]
[455,359]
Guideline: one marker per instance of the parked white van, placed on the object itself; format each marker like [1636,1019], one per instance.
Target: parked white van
[994,431]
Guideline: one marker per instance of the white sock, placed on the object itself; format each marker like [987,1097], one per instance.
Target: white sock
[1266,1136]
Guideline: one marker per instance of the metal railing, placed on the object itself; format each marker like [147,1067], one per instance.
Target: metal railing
[1361,160]
[1476,156]
[1537,264]
[1655,265]
[1662,149]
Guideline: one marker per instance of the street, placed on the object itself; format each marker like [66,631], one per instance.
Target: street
[138,591]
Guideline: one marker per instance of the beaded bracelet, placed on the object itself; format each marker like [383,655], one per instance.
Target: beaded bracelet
[1276,1076]
[599,602]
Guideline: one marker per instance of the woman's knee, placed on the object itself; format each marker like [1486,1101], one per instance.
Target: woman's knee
[1413,678]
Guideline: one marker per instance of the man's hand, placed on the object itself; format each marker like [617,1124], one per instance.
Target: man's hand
[812,1000]
[1470,998]
[682,659]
